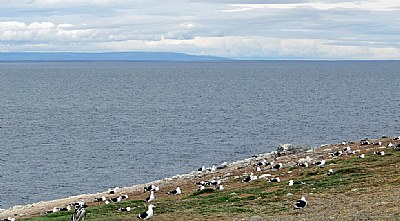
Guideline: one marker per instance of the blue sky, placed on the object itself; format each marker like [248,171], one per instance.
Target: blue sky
[242,29]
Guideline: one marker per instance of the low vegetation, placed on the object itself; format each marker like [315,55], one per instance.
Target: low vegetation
[359,189]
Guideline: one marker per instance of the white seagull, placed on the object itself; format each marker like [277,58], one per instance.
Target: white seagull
[301,203]
[320,163]
[124,209]
[148,214]
[150,188]
[151,198]
[177,191]
[330,172]
[79,214]
[275,180]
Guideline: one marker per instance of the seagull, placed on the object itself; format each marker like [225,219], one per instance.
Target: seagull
[10,219]
[362,156]
[246,179]
[116,200]
[68,208]
[301,203]
[275,180]
[320,163]
[55,209]
[220,188]
[209,183]
[124,209]
[177,191]
[148,214]
[249,178]
[291,183]
[79,214]
[303,164]
[149,188]
[112,191]
[277,166]
[336,154]
[390,144]
[100,199]
[380,153]
[346,149]
[151,198]
[202,169]
[330,172]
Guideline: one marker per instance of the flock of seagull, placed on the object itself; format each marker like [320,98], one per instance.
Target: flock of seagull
[79,207]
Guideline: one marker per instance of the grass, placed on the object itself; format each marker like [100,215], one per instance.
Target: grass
[369,181]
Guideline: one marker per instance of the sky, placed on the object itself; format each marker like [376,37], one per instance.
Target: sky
[240,29]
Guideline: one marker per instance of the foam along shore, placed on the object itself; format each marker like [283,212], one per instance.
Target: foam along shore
[287,155]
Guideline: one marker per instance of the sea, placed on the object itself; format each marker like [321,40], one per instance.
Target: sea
[69,128]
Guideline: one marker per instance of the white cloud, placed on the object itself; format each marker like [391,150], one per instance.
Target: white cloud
[233,28]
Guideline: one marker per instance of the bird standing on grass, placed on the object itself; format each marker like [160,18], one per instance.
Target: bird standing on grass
[148,214]
[301,203]
[79,214]
[151,198]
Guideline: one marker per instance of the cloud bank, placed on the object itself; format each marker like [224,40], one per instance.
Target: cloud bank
[253,29]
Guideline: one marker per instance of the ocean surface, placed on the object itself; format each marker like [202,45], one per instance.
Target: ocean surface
[69,128]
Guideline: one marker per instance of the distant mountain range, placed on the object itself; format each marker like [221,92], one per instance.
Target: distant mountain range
[109,56]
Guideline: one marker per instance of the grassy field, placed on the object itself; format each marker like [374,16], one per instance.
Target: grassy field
[359,189]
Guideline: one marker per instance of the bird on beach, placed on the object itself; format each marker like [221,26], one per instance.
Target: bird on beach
[330,172]
[301,203]
[148,214]
[202,169]
[151,198]
[362,156]
[68,208]
[9,219]
[100,199]
[116,199]
[79,214]
[150,188]
[113,190]
[177,191]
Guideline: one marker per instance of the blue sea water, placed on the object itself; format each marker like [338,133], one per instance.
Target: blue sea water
[68,128]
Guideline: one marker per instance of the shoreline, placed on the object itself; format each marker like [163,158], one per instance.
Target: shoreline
[136,191]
